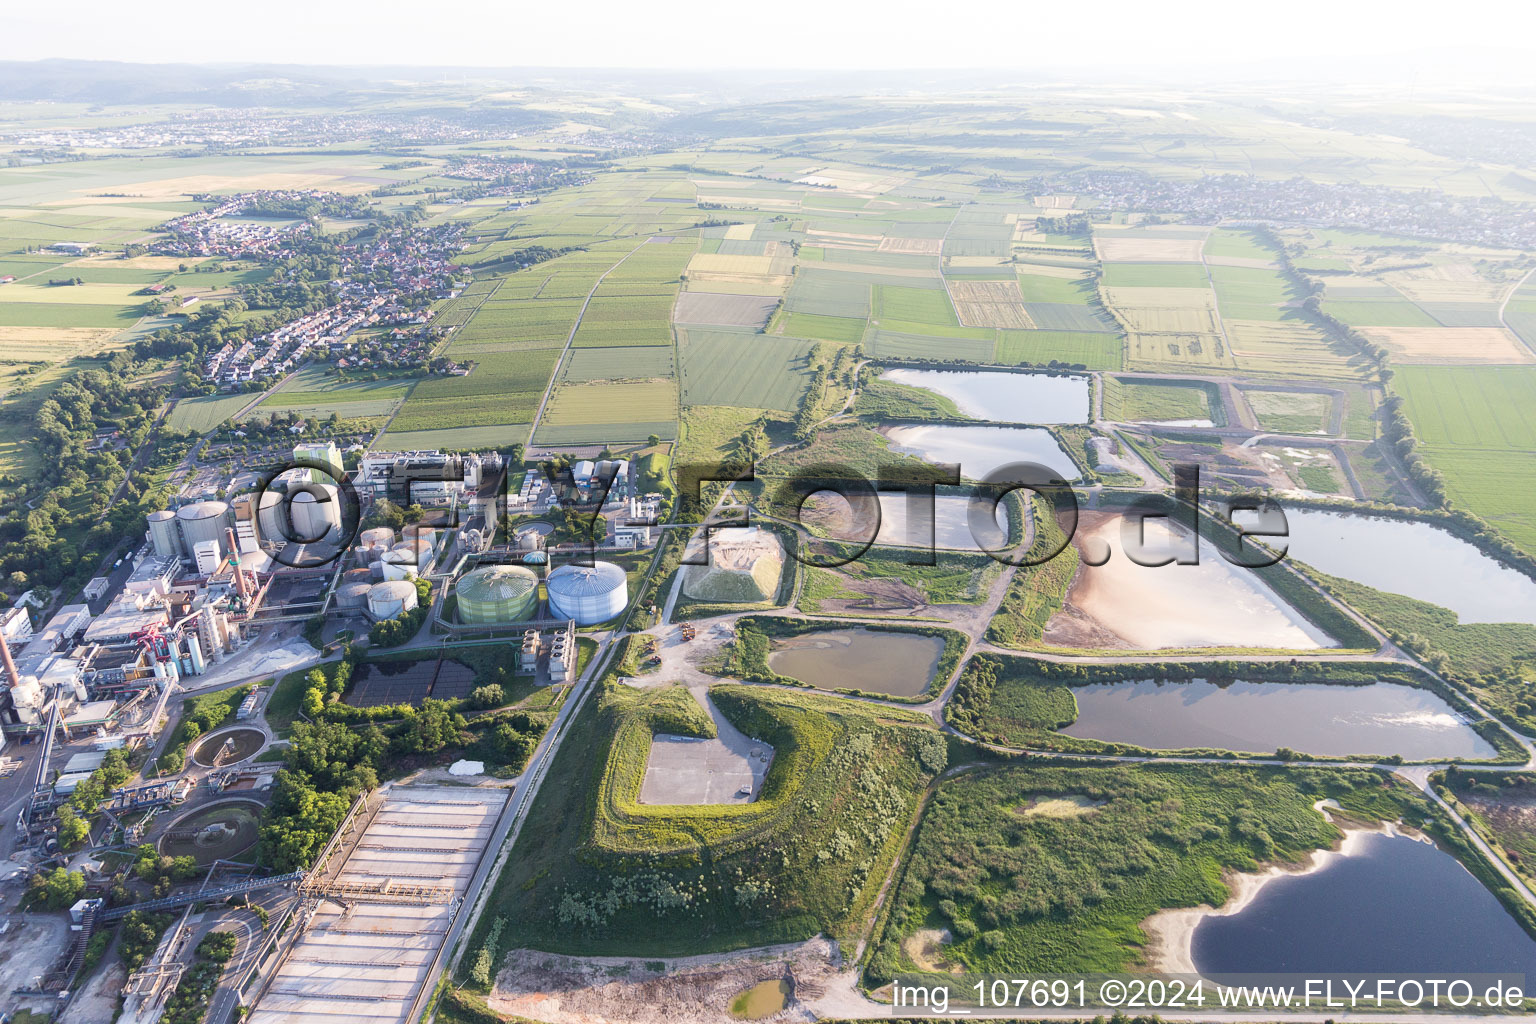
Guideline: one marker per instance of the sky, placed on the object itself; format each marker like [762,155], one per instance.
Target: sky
[786,34]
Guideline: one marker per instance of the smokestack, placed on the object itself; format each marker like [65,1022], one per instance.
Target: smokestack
[234,553]
[11,675]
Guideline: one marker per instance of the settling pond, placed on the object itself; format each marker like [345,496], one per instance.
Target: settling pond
[980,450]
[1322,719]
[898,664]
[1411,558]
[1392,905]
[1004,397]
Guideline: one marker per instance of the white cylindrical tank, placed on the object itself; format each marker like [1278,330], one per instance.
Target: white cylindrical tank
[163,535]
[353,596]
[398,570]
[391,600]
[316,514]
[271,518]
[588,593]
[203,521]
[377,537]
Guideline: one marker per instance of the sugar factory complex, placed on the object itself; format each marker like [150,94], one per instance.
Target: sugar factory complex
[151,714]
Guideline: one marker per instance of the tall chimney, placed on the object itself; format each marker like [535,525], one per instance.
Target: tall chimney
[234,554]
[11,675]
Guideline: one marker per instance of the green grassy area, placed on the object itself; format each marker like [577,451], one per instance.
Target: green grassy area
[957,578]
[1493,659]
[596,872]
[1065,889]
[1035,592]
[1133,401]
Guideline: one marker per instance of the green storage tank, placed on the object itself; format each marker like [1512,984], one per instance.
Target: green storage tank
[498,593]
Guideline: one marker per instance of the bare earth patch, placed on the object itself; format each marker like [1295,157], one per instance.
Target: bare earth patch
[685,990]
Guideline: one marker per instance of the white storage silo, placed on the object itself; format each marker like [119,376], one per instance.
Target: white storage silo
[588,593]
[316,515]
[391,600]
[377,537]
[163,534]
[272,518]
[353,597]
[203,521]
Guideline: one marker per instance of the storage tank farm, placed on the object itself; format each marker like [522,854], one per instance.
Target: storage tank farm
[587,593]
[494,594]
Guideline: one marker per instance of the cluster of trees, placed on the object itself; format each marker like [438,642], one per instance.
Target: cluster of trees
[55,890]
[75,816]
[64,518]
[329,764]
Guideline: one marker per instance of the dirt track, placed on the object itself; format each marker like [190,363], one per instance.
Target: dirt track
[685,990]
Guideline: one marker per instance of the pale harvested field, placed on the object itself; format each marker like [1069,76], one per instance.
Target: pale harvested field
[978,261]
[1450,345]
[740,232]
[1169,320]
[1055,202]
[738,284]
[1045,270]
[844,236]
[717,263]
[1424,289]
[914,246]
[178,188]
[990,304]
[753,202]
[1166,298]
[1148,250]
[38,344]
[135,263]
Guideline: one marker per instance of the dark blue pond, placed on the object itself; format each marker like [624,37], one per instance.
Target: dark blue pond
[1394,906]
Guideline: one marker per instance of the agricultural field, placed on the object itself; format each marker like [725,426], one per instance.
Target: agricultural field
[751,371]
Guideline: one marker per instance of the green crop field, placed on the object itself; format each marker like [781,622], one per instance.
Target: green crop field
[1068,291]
[755,371]
[1478,428]
[1095,351]
[912,305]
[201,415]
[1289,412]
[1248,293]
[1396,313]
[1155,275]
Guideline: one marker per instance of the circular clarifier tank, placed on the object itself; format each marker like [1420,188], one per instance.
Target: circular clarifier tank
[228,746]
[218,831]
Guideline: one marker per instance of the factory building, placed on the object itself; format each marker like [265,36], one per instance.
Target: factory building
[327,455]
[588,594]
[428,478]
[497,594]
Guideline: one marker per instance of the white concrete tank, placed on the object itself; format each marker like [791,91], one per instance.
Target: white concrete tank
[203,521]
[353,597]
[588,593]
[163,534]
[377,537]
[316,515]
[391,600]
